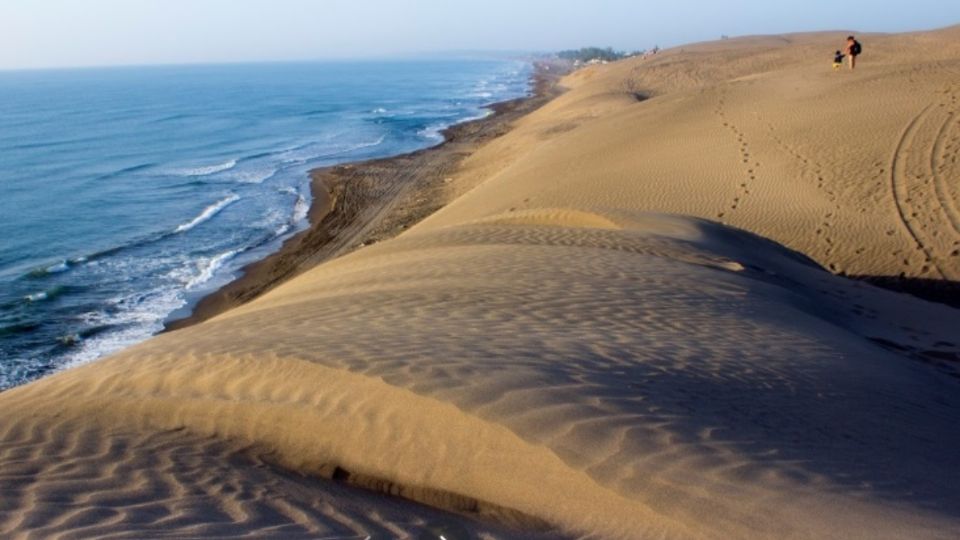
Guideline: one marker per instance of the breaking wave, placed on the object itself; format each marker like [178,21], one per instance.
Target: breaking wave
[207,170]
[208,213]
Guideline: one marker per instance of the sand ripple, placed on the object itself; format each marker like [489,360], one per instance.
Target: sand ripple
[678,378]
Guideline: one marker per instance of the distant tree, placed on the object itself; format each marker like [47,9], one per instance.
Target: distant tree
[586,54]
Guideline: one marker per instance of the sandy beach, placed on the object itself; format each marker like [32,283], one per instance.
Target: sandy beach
[639,308]
[357,204]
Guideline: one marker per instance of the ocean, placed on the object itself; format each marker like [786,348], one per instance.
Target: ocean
[127,194]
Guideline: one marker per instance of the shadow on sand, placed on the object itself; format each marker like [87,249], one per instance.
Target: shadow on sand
[933,290]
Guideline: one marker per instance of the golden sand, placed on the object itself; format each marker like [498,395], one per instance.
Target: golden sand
[602,336]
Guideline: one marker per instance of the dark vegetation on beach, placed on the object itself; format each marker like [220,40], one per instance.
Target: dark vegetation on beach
[586,54]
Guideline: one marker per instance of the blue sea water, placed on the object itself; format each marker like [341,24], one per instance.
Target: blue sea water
[126,194]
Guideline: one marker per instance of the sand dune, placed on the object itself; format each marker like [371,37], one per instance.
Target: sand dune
[64,481]
[857,170]
[553,355]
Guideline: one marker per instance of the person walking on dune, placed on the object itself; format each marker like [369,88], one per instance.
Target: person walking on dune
[852,50]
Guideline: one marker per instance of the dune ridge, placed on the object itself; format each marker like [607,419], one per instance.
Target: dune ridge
[580,345]
[852,169]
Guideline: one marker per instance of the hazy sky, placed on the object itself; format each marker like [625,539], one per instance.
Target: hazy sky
[44,33]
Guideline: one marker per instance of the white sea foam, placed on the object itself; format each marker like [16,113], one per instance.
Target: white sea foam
[208,213]
[62,266]
[210,268]
[309,152]
[137,318]
[300,209]
[36,297]
[207,170]
[253,176]
[369,144]
[272,218]
[433,132]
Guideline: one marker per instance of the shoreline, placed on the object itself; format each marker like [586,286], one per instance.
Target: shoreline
[359,203]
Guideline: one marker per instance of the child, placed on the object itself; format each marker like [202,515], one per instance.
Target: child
[838,60]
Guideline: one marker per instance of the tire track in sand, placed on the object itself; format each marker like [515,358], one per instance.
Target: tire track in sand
[911,180]
[942,162]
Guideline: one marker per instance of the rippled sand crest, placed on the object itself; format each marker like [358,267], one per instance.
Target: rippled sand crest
[692,381]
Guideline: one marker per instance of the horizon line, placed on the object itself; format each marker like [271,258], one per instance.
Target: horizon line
[453,54]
